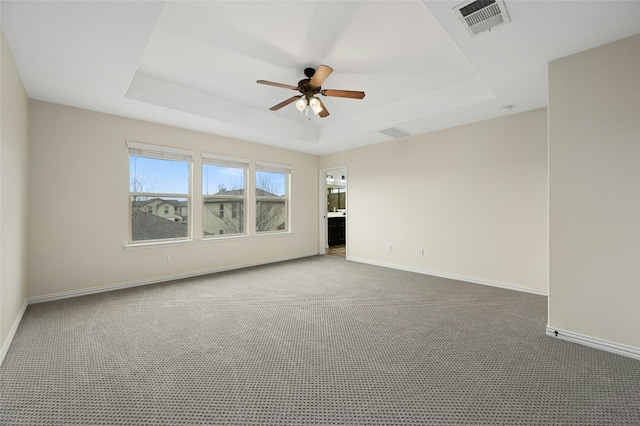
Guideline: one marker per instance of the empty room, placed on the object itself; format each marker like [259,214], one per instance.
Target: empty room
[320,212]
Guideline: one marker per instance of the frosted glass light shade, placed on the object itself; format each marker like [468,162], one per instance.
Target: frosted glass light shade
[315,105]
[301,104]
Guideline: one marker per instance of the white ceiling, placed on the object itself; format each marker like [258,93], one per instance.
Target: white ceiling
[195,64]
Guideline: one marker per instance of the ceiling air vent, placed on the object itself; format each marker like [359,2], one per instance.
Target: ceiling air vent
[482,15]
[394,132]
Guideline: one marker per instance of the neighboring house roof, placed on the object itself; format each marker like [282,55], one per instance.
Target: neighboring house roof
[263,193]
[239,192]
[147,226]
[174,203]
[231,192]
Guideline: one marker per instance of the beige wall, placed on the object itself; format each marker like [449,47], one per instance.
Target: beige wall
[13,202]
[79,158]
[474,198]
[594,193]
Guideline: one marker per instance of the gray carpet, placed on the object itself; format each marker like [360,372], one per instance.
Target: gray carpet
[316,341]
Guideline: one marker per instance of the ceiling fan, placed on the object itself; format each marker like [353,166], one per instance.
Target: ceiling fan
[310,87]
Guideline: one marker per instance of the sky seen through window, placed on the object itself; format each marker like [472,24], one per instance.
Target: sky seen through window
[172,177]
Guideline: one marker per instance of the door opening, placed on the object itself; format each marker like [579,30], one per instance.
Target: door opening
[334,214]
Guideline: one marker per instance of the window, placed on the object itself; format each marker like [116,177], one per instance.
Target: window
[157,176]
[272,197]
[223,195]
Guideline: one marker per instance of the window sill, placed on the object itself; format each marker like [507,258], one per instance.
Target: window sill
[274,234]
[157,244]
[220,239]
[135,246]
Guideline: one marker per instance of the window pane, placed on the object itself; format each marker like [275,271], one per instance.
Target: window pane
[271,201]
[158,176]
[224,195]
[217,179]
[159,197]
[223,216]
[270,183]
[152,219]
[271,215]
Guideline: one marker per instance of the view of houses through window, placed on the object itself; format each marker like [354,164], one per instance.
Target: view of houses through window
[160,195]
[271,200]
[223,196]
[159,192]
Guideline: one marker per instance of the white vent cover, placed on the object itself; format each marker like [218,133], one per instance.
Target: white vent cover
[482,15]
[394,132]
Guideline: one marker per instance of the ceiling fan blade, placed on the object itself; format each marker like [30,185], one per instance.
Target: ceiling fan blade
[284,103]
[271,83]
[324,113]
[321,75]
[353,94]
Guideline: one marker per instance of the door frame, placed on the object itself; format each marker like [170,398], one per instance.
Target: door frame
[323,243]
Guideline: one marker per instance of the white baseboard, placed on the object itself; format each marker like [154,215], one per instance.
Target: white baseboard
[7,342]
[465,278]
[593,342]
[155,280]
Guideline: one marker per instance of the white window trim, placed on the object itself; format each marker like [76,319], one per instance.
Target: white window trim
[156,243]
[264,166]
[158,152]
[233,162]
[224,160]
[225,237]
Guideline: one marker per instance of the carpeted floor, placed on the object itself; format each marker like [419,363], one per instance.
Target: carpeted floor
[316,341]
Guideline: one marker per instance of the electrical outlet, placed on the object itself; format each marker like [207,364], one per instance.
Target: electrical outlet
[421,252]
[167,258]
[389,248]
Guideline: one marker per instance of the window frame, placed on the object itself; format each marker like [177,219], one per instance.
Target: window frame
[262,166]
[157,152]
[217,160]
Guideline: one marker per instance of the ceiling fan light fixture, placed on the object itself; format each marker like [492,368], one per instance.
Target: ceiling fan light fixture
[315,105]
[301,104]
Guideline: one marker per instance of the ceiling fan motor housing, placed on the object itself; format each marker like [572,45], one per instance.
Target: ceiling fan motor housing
[305,87]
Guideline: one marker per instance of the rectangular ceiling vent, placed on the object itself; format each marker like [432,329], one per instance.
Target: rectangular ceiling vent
[482,15]
[394,132]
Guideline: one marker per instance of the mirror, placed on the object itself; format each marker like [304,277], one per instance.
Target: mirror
[337,199]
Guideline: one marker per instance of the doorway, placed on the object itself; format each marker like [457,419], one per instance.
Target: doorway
[333,238]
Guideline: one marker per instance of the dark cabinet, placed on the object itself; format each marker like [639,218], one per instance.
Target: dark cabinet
[336,231]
